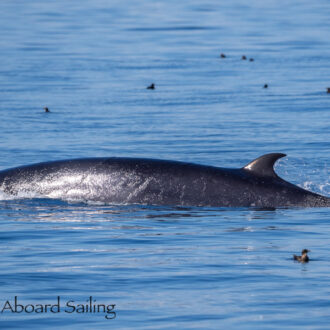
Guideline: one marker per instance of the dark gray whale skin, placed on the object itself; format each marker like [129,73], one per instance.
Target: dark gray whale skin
[159,182]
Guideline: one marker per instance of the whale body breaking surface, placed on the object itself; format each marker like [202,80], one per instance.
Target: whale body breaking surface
[159,182]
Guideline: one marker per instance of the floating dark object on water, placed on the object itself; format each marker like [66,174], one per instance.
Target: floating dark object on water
[46,109]
[328,90]
[251,59]
[152,86]
[243,57]
[222,55]
[266,86]
[303,258]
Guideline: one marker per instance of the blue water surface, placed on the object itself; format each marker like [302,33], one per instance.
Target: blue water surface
[90,62]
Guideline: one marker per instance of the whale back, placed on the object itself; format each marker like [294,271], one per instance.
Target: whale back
[159,182]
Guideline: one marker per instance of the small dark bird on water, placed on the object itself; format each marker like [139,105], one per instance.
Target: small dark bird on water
[152,86]
[328,90]
[266,86]
[251,59]
[222,55]
[243,57]
[303,258]
[46,109]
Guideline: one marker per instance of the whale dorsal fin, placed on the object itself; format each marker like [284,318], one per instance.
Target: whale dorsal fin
[264,165]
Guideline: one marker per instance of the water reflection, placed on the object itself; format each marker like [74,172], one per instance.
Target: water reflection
[51,210]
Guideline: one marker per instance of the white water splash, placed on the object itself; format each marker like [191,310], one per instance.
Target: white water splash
[21,195]
[302,173]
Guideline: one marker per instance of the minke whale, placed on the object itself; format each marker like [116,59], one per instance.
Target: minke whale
[159,182]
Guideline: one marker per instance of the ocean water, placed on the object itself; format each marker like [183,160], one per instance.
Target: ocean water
[165,267]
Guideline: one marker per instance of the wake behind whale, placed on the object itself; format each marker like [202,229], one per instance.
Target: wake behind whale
[159,182]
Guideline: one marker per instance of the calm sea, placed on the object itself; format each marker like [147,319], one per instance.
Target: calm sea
[90,62]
